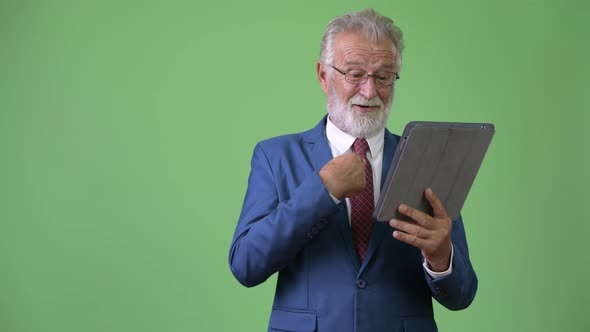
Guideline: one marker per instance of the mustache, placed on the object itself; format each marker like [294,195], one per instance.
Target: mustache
[360,100]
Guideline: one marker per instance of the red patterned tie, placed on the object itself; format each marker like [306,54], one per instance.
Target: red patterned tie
[361,205]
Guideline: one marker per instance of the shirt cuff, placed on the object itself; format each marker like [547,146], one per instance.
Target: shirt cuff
[336,200]
[436,275]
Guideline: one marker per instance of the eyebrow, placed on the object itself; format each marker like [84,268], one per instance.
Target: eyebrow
[352,63]
[358,63]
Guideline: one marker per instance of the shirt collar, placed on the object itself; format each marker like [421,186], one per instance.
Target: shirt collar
[342,142]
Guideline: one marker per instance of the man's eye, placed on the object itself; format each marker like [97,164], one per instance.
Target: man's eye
[356,74]
[384,77]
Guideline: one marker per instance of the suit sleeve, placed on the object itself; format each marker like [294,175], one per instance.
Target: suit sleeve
[456,290]
[272,229]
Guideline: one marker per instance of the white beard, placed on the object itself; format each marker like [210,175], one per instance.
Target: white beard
[353,122]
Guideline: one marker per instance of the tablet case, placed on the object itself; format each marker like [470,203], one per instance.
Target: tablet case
[444,156]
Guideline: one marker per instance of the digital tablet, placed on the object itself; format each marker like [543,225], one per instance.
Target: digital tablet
[444,156]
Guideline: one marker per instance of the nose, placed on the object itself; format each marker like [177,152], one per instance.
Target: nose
[368,89]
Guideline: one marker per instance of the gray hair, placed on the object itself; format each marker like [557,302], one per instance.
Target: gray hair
[370,24]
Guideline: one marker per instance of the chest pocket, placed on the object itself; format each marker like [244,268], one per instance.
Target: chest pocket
[292,320]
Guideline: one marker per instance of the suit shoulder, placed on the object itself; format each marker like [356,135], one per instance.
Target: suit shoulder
[285,141]
[394,136]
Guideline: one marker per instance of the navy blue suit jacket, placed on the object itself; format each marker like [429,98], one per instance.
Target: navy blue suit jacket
[289,224]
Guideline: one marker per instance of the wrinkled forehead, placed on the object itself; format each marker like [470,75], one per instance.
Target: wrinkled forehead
[355,49]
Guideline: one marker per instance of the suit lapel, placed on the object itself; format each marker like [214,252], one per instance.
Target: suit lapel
[319,148]
[389,146]
[346,233]
[320,154]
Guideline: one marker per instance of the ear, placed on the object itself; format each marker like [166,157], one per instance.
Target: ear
[322,76]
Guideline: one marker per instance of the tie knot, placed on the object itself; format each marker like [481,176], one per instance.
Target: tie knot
[361,147]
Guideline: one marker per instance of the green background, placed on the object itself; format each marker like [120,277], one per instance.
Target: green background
[126,131]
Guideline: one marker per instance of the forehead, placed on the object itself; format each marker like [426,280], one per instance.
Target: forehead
[354,48]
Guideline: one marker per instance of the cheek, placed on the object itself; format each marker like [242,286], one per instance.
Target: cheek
[385,95]
[345,91]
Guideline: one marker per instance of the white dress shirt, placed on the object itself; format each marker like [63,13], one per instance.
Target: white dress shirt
[341,142]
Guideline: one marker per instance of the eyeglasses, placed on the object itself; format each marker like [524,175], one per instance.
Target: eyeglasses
[358,77]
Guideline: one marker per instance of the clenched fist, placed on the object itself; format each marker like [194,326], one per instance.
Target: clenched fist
[344,176]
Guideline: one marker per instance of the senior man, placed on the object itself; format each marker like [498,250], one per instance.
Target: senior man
[308,209]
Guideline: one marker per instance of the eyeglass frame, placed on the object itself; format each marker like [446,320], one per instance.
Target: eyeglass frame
[366,77]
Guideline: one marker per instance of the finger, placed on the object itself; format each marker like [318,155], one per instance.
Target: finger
[356,158]
[407,227]
[409,239]
[361,159]
[438,208]
[416,215]
[350,155]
